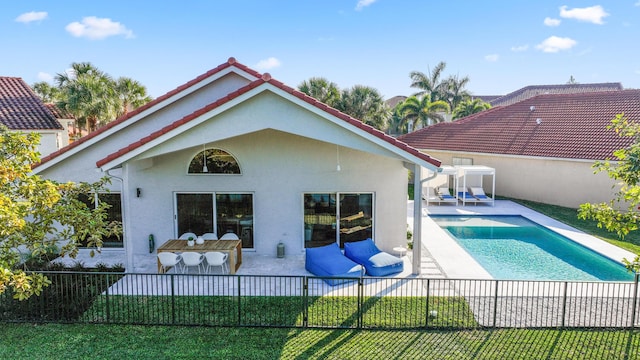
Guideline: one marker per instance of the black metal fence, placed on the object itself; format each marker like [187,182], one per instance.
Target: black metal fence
[305,301]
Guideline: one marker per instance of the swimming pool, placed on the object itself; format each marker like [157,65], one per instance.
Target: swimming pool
[515,248]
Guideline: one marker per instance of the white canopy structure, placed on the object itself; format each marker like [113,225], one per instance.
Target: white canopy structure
[470,184]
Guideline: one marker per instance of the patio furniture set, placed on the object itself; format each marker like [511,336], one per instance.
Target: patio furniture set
[204,252]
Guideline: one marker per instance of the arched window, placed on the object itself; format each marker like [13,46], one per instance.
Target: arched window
[214,161]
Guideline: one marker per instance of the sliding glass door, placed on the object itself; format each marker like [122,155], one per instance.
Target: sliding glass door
[337,217]
[218,213]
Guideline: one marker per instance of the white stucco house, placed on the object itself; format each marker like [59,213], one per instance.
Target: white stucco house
[234,150]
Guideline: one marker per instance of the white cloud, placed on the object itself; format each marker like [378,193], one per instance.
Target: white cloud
[520,48]
[98,28]
[363,4]
[551,22]
[553,44]
[592,14]
[43,76]
[267,64]
[492,57]
[32,16]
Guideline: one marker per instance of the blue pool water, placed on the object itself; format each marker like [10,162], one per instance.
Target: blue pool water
[515,248]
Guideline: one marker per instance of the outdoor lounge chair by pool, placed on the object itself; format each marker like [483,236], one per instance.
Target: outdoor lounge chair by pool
[328,260]
[374,260]
[479,194]
[445,195]
[464,195]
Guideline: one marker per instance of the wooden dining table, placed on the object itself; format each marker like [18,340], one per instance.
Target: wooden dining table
[231,247]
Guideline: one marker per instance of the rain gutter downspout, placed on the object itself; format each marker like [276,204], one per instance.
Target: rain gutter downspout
[417,216]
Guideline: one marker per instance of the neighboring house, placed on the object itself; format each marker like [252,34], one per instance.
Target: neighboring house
[22,110]
[72,133]
[234,150]
[542,148]
[535,90]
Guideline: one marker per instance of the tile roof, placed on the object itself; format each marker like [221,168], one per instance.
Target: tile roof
[57,112]
[572,126]
[22,109]
[124,118]
[534,90]
[260,79]
[266,78]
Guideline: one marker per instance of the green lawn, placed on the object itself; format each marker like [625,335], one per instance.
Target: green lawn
[52,341]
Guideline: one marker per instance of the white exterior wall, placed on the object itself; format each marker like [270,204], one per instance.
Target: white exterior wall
[48,141]
[560,182]
[277,168]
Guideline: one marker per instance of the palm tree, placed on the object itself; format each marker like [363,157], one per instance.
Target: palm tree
[455,90]
[90,99]
[366,104]
[321,89]
[469,107]
[422,110]
[131,94]
[46,92]
[430,84]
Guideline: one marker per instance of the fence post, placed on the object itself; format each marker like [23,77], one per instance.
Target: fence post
[107,298]
[635,301]
[360,286]
[305,302]
[495,304]
[426,313]
[564,304]
[173,301]
[239,302]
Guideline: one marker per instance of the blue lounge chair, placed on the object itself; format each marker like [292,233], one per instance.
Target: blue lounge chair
[375,261]
[329,261]
[479,194]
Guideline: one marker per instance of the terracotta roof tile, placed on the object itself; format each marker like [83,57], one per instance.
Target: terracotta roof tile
[230,62]
[528,92]
[266,78]
[22,109]
[572,126]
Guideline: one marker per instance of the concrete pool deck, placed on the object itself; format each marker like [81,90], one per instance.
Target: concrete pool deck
[456,263]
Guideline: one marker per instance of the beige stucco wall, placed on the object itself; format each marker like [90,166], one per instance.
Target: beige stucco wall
[552,181]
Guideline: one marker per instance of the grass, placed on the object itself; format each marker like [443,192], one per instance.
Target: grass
[569,216]
[325,311]
[54,341]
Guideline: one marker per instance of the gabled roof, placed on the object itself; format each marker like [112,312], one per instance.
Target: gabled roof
[569,126]
[130,116]
[22,109]
[264,80]
[535,90]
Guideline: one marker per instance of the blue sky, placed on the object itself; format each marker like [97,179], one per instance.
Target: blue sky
[501,45]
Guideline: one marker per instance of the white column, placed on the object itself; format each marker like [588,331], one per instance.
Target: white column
[417,219]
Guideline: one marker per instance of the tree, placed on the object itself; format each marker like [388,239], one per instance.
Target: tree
[430,84]
[46,92]
[416,110]
[366,104]
[572,80]
[131,94]
[321,89]
[37,214]
[94,98]
[456,92]
[621,214]
[361,102]
[469,107]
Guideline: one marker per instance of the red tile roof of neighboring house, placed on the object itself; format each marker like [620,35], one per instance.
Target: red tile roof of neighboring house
[571,126]
[22,109]
[266,78]
[535,90]
[57,112]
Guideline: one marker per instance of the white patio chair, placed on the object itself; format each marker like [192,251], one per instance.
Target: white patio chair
[230,236]
[215,258]
[210,236]
[168,260]
[191,259]
[187,235]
